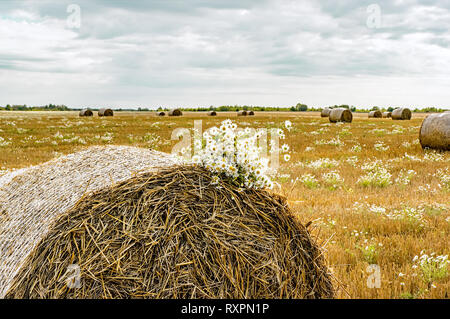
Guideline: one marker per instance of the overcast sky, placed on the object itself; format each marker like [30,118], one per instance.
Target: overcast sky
[225,52]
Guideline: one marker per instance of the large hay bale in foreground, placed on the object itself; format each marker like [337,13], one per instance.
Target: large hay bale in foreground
[32,198]
[86,112]
[402,113]
[105,112]
[340,115]
[325,112]
[435,131]
[175,112]
[375,114]
[387,114]
[172,234]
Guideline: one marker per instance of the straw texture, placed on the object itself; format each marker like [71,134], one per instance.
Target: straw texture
[32,198]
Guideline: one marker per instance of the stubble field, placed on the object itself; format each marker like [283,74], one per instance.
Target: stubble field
[374,198]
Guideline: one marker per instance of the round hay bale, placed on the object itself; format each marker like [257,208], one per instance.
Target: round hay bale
[161,113]
[242,113]
[173,234]
[31,199]
[175,112]
[340,115]
[402,113]
[325,112]
[435,131]
[386,114]
[375,114]
[86,112]
[105,112]
[250,113]
[212,113]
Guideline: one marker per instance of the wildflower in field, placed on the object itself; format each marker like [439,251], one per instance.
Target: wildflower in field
[334,141]
[309,149]
[405,176]
[4,142]
[333,180]
[356,148]
[352,160]
[433,156]
[406,144]
[432,267]
[380,146]
[287,157]
[377,175]
[444,178]
[309,181]
[323,163]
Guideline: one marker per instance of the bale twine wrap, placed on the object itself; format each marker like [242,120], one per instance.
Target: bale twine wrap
[402,113]
[172,234]
[387,114]
[105,112]
[161,113]
[340,115]
[242,113]
[375,114]
[212,113]
[175,112]
[325,112]
[435,131]
[86,112]
[250,113]
[32,198]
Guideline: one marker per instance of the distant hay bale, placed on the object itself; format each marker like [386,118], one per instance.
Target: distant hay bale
[212,113]
[161,113]
[387,114]
[86,112]
[242,113]
[250,113]
[32,198]
[340,115]
[175,112]
[167,233]
[435,131]
[325,112]
[401,113]
[105,112]
[375,114]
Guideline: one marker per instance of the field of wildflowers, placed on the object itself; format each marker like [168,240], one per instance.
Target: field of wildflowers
[377,202]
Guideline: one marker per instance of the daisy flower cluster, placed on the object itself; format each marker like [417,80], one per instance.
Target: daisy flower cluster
[433,267]
[234,153]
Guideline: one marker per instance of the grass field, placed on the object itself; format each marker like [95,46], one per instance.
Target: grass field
[374,197]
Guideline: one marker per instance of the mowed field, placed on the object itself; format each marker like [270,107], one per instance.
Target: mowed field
[374,198]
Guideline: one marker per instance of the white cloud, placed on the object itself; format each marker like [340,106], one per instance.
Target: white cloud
[275,52]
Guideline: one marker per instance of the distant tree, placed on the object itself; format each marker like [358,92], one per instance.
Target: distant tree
[390,109]
[375,108]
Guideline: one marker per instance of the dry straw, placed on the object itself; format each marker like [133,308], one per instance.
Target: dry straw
[325,112]
[401,114]
[173,234]
[86,112]
[105,112]
[175,112]
[340,115]
[32,198]
[375,114]
[435,131]
[163,233]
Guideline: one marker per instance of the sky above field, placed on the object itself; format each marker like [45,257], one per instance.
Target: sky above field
[225,52]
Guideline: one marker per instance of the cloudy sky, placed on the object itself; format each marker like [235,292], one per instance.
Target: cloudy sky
[225,52]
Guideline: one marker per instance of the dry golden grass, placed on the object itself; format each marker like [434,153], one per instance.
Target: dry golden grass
[34,137]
